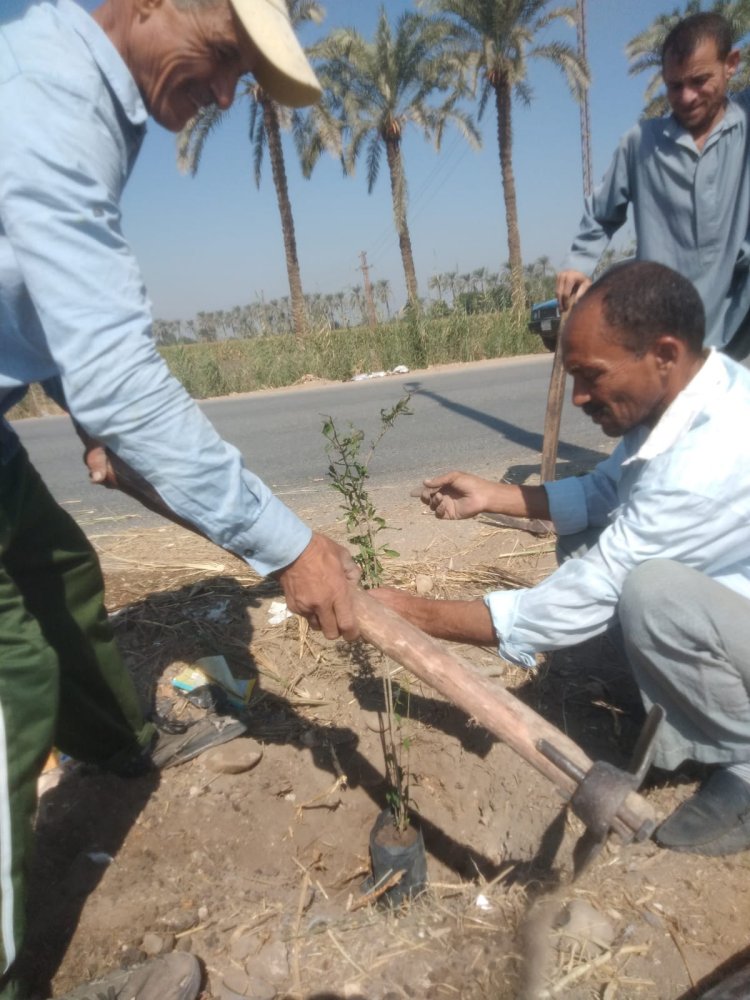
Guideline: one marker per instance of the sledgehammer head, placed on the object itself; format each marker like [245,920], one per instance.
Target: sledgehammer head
[599,800]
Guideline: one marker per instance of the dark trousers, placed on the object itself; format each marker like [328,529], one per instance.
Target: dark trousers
[62,680]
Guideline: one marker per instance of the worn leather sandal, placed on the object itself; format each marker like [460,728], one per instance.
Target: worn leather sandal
[171,749]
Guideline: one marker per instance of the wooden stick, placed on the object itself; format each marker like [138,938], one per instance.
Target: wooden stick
[489,703]
[553,414]
[532,525]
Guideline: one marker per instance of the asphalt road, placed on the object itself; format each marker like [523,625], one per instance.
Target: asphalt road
[486,417]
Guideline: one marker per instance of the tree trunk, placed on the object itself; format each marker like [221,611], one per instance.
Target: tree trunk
[275,152]
[505,144]
[396,169]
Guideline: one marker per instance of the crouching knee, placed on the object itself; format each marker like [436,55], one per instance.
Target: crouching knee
[648,591]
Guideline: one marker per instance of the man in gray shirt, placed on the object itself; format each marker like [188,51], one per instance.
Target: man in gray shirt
[687,181]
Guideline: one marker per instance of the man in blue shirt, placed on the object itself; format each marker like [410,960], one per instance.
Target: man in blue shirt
[686,180]
[667,521]
[75,93]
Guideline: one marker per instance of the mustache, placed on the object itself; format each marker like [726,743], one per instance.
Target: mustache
[591,408]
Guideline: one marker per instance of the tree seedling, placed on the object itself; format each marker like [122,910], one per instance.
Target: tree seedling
[396,749]
[348,471]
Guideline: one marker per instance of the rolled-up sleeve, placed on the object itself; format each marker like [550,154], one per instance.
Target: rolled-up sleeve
[579,600]
[580,502]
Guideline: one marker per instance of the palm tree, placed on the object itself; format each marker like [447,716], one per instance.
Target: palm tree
[357,301]
[267,119]
[584,114]
[374,89]
[644,51]
[436,284]
[382,292]
[497,37]
[452,280]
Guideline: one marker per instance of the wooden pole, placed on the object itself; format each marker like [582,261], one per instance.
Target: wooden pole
[489,703]
[553,415]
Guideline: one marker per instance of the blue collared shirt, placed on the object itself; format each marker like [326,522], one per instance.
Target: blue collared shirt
[72,301]
[691,210]
[680,492]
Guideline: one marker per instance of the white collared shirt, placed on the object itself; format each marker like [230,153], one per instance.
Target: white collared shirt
[680,492]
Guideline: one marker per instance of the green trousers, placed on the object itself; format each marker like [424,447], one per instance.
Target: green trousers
[62,680]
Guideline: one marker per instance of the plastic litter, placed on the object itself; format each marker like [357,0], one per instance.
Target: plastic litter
[214,670]
[278,612]
[398,370]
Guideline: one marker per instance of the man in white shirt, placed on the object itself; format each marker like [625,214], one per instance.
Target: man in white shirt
[669,517]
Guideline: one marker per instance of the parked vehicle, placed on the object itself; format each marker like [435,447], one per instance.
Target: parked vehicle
[545,320]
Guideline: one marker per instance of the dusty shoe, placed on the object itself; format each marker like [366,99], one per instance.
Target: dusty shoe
[176,748]
[168,977]
[715,821]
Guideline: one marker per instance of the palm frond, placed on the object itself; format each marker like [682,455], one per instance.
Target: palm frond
[191,141]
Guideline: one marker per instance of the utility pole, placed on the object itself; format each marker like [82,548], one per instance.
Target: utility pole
[369,300]
[584,105]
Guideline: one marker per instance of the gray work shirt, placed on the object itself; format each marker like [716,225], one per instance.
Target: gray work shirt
[691,212]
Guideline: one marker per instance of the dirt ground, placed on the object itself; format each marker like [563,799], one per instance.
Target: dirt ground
[259,873]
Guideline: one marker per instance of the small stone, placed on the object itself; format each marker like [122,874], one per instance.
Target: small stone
[234,757]
[582,921]
[225,993]
[353,991]
[424,584]
[237,981]
[177,921]
[202,913]
[152,944]
[273,960]
[241,948]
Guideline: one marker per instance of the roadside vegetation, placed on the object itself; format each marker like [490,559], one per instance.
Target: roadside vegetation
[223,367]
[265,362]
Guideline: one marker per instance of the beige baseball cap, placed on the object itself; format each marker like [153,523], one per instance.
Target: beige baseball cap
[283,69]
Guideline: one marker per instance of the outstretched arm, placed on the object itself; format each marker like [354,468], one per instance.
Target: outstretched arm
[317,585]
[457,621]
[458,495]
